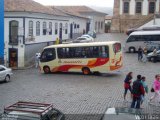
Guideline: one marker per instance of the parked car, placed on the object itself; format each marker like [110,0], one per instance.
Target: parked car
[88,36]
[83,40]
[92,34]
[153,58]
[31,111]
[5,73]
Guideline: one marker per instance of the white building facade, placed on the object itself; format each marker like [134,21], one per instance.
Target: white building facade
[28,32]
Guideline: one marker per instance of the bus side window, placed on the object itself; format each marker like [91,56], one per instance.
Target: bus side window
[60,52]
[95,51]
[104,52]
[131,39]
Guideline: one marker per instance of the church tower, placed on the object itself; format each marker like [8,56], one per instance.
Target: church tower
[116,14]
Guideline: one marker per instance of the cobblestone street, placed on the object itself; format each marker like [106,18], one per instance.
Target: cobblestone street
[74,93]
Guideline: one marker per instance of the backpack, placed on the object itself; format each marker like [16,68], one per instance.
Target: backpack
[136,87]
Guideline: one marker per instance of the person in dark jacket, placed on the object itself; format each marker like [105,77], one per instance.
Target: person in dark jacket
[127,84]
[137,91]
[140,53]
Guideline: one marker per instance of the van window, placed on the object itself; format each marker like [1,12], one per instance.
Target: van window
[136,38]
[48,55]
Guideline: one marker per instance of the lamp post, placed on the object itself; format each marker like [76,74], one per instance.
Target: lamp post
[2,31]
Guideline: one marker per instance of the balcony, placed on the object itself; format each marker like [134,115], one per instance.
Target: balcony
[16,40]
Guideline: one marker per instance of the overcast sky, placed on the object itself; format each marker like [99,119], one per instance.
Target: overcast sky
[99,3]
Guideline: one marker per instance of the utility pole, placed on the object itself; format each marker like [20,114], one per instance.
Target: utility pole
[1,31]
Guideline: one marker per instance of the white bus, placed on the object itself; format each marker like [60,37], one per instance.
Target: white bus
[82,57]
[148,39]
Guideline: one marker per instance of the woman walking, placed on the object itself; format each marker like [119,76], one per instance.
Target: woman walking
[156,87]
[127,84]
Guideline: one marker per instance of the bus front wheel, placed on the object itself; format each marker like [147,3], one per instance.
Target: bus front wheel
[86,71]
[46,69]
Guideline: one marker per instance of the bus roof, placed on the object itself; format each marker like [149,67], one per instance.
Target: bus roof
[145,33]
[82,44]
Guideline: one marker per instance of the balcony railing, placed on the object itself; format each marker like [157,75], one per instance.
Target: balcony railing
[15,40]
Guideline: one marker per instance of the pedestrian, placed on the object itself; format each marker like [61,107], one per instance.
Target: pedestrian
[127,84]
[37,57]
[156,87]
[140,53]
[57,41]
[137,91]
[144,55]
[145,86]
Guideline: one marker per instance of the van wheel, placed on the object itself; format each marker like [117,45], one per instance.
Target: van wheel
[86,71]
[46,69]
[152,59]
[7,78]
[132,50]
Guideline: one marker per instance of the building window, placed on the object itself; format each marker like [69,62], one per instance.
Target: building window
[95,25]
[77,25]
[30,28]
[101,25]
[50,28]
[66,28]
[126,7]
[151,7]
[13,32]
[56,28]
[44,28]
[37,28]
[138,7]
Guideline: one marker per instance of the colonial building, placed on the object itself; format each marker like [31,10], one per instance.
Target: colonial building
[133,13]
[30,26]
[96,19]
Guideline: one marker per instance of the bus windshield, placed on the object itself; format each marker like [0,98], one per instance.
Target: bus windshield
[48,55]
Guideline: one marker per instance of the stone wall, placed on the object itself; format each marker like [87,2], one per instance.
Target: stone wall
[120,23]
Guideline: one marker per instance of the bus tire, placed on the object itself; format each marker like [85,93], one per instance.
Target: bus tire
[46,69]
[86,71]
[132,50]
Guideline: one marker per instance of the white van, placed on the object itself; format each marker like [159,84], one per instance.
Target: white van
[148,39]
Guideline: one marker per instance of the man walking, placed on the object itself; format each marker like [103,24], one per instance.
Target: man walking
[140,53]
[137,91]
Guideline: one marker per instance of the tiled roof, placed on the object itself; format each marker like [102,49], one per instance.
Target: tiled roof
[72,13]
[29,6]
[108,17]
[78,9]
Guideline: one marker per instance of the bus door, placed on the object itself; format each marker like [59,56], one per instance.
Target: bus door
[116,61]
[48,59]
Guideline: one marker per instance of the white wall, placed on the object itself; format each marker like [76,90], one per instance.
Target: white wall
[20,46]
[47,37]
[99,19]
[80,21]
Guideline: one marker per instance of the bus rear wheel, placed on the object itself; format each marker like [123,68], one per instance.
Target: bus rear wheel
[86,71]
[46,69]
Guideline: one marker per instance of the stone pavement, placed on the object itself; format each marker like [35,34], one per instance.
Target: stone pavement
[75,94]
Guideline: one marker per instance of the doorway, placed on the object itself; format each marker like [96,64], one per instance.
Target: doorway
[13,57]
[71,31]
[60,32]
